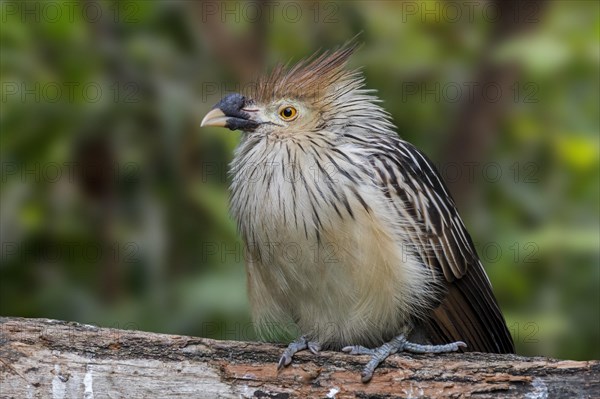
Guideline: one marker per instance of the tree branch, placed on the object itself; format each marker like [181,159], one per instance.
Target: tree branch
[49,358]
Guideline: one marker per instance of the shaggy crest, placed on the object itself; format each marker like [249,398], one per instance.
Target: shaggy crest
[310,78]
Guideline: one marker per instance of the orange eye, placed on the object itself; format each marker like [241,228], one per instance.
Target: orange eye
[288,113]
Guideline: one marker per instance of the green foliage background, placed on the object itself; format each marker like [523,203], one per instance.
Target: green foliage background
[114,201]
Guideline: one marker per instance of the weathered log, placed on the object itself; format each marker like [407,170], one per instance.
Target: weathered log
[48,358]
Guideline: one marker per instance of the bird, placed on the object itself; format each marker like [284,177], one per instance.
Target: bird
[352,239]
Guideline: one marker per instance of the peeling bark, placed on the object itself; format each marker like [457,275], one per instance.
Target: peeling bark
[42,358]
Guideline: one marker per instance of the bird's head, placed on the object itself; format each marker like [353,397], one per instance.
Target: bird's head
[316,94]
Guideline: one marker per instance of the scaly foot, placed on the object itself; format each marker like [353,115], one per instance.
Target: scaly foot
[298,345]
[397,344]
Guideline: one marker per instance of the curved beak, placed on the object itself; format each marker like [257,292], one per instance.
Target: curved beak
[230,113]
[214,117]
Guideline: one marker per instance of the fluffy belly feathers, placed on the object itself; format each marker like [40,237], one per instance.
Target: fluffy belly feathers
[324,262]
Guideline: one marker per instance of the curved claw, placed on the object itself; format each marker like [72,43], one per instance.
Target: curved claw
[366,376]
[314,347]
[298,345]
[284,361]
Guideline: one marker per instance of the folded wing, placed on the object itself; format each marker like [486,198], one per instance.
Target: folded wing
[468,310]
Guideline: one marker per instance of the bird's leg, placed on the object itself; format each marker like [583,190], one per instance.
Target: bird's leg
[398,344]
[298,345]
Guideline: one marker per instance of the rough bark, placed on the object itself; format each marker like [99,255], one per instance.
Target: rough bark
[48,358]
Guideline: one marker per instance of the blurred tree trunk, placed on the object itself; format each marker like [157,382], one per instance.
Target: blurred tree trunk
[474,132]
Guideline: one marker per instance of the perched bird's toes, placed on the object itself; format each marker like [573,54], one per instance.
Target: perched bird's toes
[298,345]
[284,361]
[366,376]
[314,347]
[398,344]
[418,348]
[357,350]
[378,356]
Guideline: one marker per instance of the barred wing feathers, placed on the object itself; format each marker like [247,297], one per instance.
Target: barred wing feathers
[468,311]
